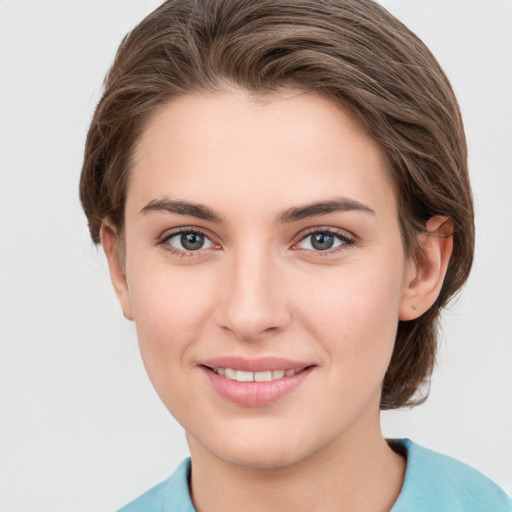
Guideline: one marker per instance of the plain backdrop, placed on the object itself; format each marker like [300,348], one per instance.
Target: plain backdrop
[81,429]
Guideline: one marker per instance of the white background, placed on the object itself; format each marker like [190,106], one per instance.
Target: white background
[81,429]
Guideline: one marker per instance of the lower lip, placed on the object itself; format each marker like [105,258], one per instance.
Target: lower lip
[255,394]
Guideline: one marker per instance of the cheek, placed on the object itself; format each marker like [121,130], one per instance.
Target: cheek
[170,312]
[354,309]
[170,309]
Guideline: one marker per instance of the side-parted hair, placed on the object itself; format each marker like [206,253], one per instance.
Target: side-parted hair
[352,52]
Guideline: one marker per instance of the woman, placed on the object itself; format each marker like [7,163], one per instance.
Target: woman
[281,191]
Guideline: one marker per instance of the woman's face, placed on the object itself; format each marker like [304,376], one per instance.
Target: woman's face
[262,239]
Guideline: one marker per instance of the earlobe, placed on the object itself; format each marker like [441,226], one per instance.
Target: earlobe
[109,242]
[425,274]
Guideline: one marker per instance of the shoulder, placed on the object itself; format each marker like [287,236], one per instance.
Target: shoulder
[171,495]
[437,482]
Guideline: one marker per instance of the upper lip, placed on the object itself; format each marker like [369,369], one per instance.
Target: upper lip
[255,365]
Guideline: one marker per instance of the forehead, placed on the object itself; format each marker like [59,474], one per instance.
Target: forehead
[229,146]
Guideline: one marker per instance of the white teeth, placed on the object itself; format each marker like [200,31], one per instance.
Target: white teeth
[230,373]
[263,376]
[244,376]
[277,374]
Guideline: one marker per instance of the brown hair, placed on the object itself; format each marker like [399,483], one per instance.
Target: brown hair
[351,51]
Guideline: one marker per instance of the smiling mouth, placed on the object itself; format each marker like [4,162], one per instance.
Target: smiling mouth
[246,376]
[255,383]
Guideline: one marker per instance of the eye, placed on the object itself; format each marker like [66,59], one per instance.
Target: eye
[324,240]
[187,241]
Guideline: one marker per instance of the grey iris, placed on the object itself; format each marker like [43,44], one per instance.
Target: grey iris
[192,241]
[322,241]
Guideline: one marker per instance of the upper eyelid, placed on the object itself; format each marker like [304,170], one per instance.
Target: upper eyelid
[166,235]
[342,233]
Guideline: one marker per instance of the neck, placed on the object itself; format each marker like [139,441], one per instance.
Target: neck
[357,472]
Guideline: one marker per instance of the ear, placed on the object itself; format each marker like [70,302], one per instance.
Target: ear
[424,275]
[109,243]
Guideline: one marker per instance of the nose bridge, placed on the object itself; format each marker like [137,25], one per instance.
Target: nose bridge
[255,301]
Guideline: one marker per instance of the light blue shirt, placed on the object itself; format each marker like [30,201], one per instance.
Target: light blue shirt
[433,483]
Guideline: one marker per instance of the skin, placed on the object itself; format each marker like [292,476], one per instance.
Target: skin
[260,288]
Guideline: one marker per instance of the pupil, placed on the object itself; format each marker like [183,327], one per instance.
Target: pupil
[192,241]
[322,241]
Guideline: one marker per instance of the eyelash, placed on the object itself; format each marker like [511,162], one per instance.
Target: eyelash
[346,241]
[342,236]
[182,231]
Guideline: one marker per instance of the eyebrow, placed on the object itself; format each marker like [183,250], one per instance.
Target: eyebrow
[340,204]
[200,211]
[183,208]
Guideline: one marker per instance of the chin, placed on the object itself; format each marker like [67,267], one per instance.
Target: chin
[256,458]
[258,449]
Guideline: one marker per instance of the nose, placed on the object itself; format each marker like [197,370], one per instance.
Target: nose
[253,303]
